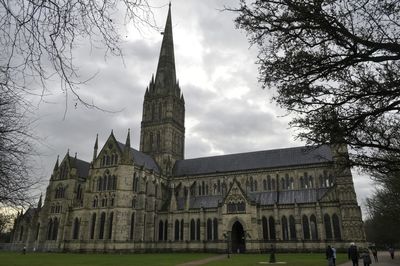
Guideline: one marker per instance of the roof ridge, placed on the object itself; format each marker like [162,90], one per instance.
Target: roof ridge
[254,152]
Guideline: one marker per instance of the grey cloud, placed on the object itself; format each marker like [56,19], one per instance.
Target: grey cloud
[225,124]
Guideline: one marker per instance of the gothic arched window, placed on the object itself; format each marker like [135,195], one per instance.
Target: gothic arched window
[132,231]
[269,185]
[336,227]
[285,231]
[321,181]
[92,226]
[209,229]
[302,182]
[215,224]
[102,224]
[198,229]
[271,225]
[37,231]
[151,140]
[55,229]
[306,183]
[192,230]
[311,182]
[49,229]
[265,228]
[75,234]
[306,227]
[181,230]
[166,230]
[292,228]
[291,186]
[314,228]
[135,183]
[177,231]
[287,181]
[328,226]
[110,225]
[79,192]
[161,231]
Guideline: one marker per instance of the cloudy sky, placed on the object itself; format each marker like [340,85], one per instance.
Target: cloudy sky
[226,109]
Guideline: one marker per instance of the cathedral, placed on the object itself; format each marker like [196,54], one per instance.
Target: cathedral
[154,200]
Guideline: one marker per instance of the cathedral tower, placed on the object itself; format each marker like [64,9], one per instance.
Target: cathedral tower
[163,122]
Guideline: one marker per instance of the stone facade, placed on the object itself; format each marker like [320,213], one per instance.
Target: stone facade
[298,199]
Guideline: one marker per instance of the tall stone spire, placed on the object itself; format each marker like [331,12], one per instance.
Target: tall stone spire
[165,82]
[162,134]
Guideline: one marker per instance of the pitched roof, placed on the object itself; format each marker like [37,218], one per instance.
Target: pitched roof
[253,160]
[81,166]
[141,158]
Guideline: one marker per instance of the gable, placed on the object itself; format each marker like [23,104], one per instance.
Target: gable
[235,199]
[110,153]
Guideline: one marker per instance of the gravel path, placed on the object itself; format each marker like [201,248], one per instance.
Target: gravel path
[203,261]
[384,260]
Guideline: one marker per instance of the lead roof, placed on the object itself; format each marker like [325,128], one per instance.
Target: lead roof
[253,160]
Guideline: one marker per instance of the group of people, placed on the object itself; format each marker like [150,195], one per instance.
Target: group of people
[331,256]
[354,254]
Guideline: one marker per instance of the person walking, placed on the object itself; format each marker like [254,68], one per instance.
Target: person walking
[374,253]
[366,257]
[352,253]
[329,255]
[391,251]
[334,256]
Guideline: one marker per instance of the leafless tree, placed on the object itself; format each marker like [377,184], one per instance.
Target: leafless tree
[37,42]
[15,152]
[335,65]
[6,220]
[37,38]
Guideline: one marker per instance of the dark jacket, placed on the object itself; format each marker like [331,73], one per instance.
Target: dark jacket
[329,253]
[353,253]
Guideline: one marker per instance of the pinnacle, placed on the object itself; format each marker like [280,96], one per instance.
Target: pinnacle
[166,76]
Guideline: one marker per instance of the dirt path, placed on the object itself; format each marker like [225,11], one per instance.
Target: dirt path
[203,261]
[384,260]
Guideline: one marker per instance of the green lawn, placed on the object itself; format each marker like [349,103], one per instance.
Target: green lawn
[167,259]
[71,259]
[292,259]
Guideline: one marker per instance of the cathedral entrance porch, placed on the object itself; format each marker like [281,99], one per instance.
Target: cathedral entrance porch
[238,238]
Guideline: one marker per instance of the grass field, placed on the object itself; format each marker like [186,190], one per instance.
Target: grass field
[302,259]
[71,259]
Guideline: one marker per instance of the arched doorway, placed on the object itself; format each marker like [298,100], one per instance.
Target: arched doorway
[238,241]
